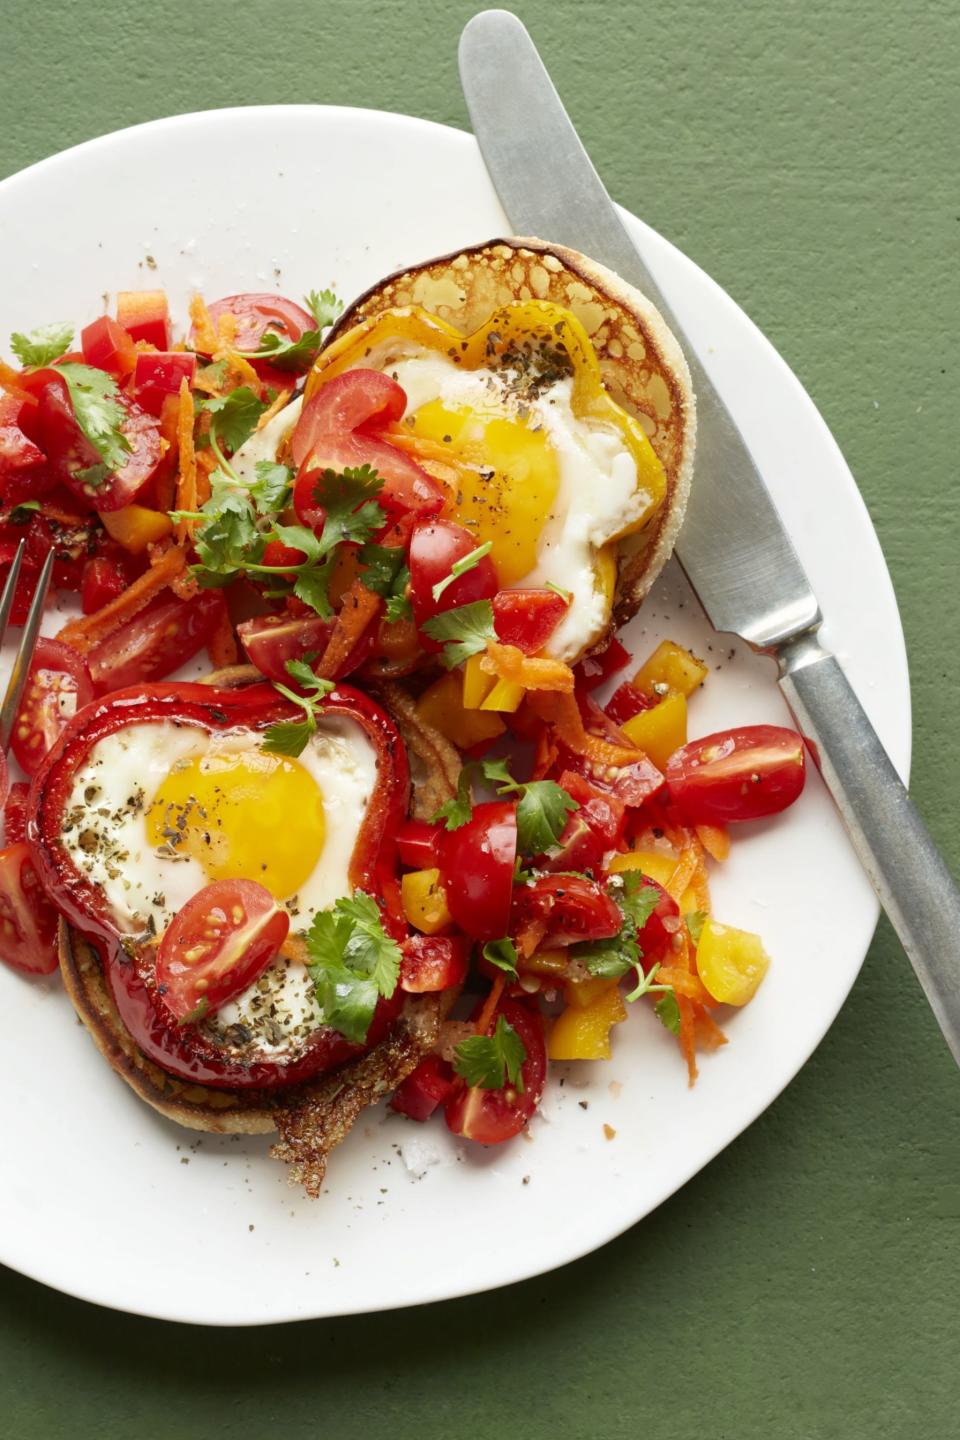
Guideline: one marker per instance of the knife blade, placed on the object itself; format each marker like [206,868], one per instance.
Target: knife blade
[733,546]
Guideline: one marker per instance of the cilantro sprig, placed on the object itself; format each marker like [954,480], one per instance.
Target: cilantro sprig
[43,345]
[490,1061]
[462,632]
[542,805]
[502,954]
[352,963]
[612,958]
[291,737]
[385,573]
[298,355]
[234,418]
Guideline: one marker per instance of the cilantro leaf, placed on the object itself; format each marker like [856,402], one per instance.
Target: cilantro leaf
[541,815]
[297,537]
[313,588]
[348,498]
[667,1012]
[398,605]
[638,898]
[352,963]
[609,959]
[462,632]
[324,306]
[270,491]
[284,353]
[695,921]
[235,416]
[457,812]
[503,954]
[291,737]
[43,345]
[382,564]
[99,412]
[461,567]
[491,1060]
[305,677]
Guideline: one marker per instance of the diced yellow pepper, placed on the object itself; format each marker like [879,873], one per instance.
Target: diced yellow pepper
[544,962]
[652,862]
[486,692]
[670,670]
[441,706]
[135,527]
[585,992]
[731,963]
[506,696]
[583,1032]
[425,901]
[660,731]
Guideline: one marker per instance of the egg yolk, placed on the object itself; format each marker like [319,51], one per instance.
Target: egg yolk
[242,815]
[508,483]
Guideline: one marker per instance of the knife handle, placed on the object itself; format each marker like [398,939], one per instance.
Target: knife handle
[892,842]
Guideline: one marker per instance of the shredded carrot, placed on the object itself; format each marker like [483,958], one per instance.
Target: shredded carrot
[562,712]
[545,755]
[708,1033]
[417,445]
[206,464]
[529,937]
[9,377]
[684,872]
[207,382]
[83,634]
[688,1035]
[187,478]
[204,333]
[530,671]
[227,327]
[684,983]
[359,607]
[715,839]
[241,372]
[185,586]
[274,409]
[222,648]
[490,1005]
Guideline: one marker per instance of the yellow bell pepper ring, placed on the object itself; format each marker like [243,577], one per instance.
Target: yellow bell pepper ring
[425,901]
[731,963]
[582,1032]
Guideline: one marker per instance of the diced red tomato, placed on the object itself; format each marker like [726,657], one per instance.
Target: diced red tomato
[593,830]
[219,943]
[527,618]
[433,962]
[256,313]
[419,844]
[435,546]
[15,813]
[595,669]
[102,580]
[108,346]
[58,685]
[338,428]
[144,314]
[17,451]
[424,1090]
[571,907]
[271,640]
[158,374]
[662,924]
[68,450]
[477,869]
[633,783]
[28,922]
[490,1116]
[627,701]
[740,774]
[155,642]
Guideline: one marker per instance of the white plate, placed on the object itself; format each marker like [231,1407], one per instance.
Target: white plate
[103,1199]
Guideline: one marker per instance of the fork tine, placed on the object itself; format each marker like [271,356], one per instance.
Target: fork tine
[10,589]
[28,643]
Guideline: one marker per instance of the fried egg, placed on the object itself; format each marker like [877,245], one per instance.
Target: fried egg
[160,810]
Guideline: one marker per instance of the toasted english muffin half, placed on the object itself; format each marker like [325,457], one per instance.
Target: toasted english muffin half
[641,363]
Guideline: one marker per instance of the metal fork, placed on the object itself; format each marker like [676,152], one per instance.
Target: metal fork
[28,637]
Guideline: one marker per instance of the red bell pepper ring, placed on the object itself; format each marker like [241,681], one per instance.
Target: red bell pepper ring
[424,1090]
[187,1051]
[160,373]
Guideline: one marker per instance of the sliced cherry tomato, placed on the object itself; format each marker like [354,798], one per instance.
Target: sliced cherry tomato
[69,451]
[571,908]
[424,1090]
[490,1116]
[338,428]
[28,922]
[662,924]
[527,618]
[219,943]
[477,869]
[593,830]
[419,844]
[58,685]
[740,774]
[102,580]
[159,373]
[633,783]
[271,640]
[627,701]
[435,546]
[15,813]
[433,962]
[145,315]
[107,346]
[155,642]
[595,669]
[256,313]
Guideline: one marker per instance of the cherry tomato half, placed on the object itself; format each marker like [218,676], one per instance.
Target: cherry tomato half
[271,640]
[15,813]
[28,922]
[527,618]
[433,962]
[592,831]
[101,581]
[256,313]
[155,642]
[219,943]
[490,1116]
[69,451]
[571,907]
[739,774]
[58,685]
[662,924]
[435,546]
[477,869]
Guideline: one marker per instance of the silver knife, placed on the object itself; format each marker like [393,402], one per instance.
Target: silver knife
[733,546]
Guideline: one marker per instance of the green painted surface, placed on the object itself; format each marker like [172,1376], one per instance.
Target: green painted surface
[806,1285]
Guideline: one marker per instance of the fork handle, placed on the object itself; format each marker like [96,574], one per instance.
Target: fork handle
[894,846]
